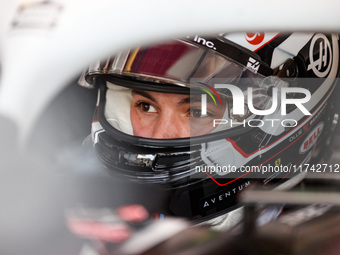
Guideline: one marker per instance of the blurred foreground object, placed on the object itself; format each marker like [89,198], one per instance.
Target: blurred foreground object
[312,229]
[51,38]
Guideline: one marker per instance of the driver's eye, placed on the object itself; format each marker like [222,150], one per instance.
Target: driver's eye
[195,113]
[146,107]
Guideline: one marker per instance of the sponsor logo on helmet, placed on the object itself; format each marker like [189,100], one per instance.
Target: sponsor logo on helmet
[311,138]
[204,42]
[253,65]
[278,162]
[255,38]
[296,135]
[321,62]
[252,40]
[219,198]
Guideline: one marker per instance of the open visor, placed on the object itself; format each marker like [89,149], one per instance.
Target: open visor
[206,91]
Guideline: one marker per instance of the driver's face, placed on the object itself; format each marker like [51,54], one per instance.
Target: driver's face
[167,116]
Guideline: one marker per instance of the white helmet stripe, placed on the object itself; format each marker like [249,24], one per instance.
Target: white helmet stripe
[289,48]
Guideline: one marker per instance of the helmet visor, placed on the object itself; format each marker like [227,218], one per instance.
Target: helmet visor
[214,95]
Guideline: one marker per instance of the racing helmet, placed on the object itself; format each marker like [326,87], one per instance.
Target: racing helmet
[260,107]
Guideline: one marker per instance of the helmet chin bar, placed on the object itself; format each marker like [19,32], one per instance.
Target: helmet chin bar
[171,168]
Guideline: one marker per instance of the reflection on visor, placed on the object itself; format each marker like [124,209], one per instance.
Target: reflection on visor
[180,62]
[176,63]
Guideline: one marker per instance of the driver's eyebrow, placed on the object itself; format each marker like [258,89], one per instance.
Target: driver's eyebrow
[144,94]
[183,101]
